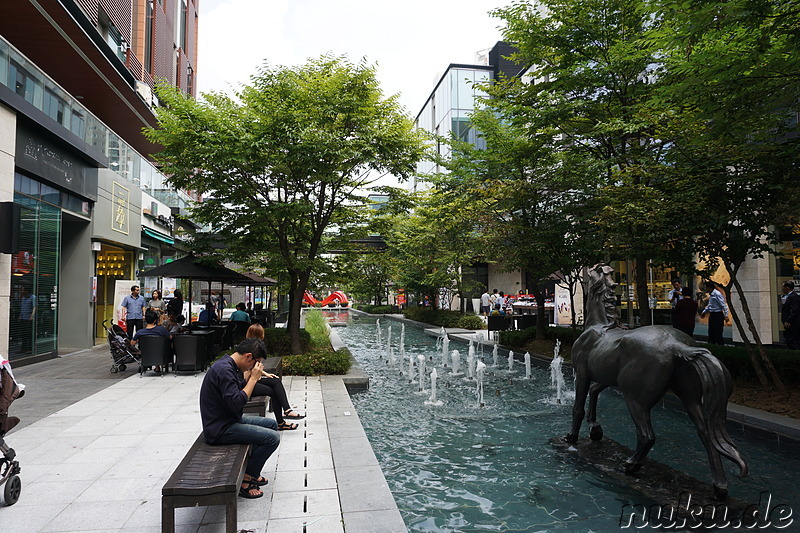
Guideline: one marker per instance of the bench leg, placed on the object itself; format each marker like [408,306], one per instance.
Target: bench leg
[230,514]
[167,515]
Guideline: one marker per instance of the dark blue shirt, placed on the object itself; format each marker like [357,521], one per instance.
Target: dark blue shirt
[158,330]
[222,399]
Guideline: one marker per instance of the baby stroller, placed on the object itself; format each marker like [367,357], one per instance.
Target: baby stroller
[121,350]
[9,467]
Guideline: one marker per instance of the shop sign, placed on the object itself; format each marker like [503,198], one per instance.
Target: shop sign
[120,197]
[48,160]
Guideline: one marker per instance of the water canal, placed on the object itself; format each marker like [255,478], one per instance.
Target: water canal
[461,467]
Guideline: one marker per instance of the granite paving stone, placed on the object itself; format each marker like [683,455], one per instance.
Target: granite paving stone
[102,451]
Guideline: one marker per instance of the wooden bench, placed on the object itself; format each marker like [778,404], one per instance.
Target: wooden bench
[257,405]
[207,475]
[274,365]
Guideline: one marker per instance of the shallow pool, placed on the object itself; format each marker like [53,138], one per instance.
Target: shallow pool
[460,467]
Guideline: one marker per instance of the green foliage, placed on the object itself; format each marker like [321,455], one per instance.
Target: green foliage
[279,344]
[294,151]
[517,338]
[428,245]
[737,361]
[379,309]
[317,328]
[471,322]
[435,317]
[318,362]
[567,336]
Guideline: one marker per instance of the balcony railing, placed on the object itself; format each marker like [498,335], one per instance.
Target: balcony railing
[31,83]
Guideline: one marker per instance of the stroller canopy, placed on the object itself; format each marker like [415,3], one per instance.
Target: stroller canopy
[10,390]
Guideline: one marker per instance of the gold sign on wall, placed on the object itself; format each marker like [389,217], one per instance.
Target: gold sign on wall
[120,199]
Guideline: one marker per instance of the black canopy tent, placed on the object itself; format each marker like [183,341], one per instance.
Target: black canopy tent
[195,268]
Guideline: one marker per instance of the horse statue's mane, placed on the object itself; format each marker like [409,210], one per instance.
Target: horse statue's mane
[601,300]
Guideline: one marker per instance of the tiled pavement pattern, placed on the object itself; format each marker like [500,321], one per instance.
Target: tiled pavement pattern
[98,464]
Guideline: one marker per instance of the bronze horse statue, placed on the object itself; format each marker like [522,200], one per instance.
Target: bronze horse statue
[643,364]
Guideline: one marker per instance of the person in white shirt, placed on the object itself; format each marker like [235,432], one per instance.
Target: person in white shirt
[486,303]
[717,311]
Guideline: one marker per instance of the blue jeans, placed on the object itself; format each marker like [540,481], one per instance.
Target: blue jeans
[261,433]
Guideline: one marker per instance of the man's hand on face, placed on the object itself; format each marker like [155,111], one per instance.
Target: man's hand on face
[258,369]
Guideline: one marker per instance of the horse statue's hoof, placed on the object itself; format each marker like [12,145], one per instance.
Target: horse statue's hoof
[630,468]
[571,438]
[720,492]
[596,433]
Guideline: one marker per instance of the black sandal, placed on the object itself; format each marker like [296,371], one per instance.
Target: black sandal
[290,414]
[244,492]
[287,426]
[259,481]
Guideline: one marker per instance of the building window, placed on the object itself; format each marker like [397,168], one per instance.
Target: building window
[34,281]
[183,14]
[111,34]
[148,38]
[25,84]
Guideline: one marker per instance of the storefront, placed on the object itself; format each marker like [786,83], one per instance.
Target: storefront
[116,236]
[659,283]
[55,190]
[33,326]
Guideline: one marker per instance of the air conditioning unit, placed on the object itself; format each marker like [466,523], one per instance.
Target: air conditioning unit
[145,92]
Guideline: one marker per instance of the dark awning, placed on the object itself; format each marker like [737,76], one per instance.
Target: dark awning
[158,236]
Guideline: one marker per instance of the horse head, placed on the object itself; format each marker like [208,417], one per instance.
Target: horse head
[601,300]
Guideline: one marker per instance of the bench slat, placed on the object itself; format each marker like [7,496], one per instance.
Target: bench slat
[207,470]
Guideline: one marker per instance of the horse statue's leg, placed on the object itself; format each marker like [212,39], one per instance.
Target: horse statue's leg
[645,436]
[582,383]
[595,429]
[688,384]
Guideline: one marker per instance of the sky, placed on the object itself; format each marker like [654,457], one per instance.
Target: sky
[411,41]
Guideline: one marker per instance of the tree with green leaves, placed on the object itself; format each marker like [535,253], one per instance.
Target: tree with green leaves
[590,74]
[429,237]
[527,209]
[365,274]
[730,91]
[285,160]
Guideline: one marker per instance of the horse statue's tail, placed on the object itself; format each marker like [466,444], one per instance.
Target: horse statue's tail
[716,384]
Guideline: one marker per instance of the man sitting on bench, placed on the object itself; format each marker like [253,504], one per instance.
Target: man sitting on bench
[223,396]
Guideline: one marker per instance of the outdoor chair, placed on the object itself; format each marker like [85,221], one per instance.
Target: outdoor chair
[190,353]
[526,321]
[156,351]
[495,324]
[239,331]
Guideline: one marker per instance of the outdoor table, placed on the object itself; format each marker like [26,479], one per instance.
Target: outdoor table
[207,334]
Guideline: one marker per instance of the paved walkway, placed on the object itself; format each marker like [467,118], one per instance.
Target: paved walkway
[97,447]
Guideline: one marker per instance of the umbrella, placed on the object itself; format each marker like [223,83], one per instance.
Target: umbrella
[191,268]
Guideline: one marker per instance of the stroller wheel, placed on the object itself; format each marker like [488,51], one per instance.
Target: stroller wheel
[122,368]
[114,369]
[13,489]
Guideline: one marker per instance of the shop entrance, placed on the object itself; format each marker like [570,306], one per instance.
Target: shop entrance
[111,264]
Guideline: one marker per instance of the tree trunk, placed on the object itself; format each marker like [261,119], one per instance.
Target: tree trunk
[298,288]
[541,314]
[762,378]
[776,378]
[643,293]
[572,303]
